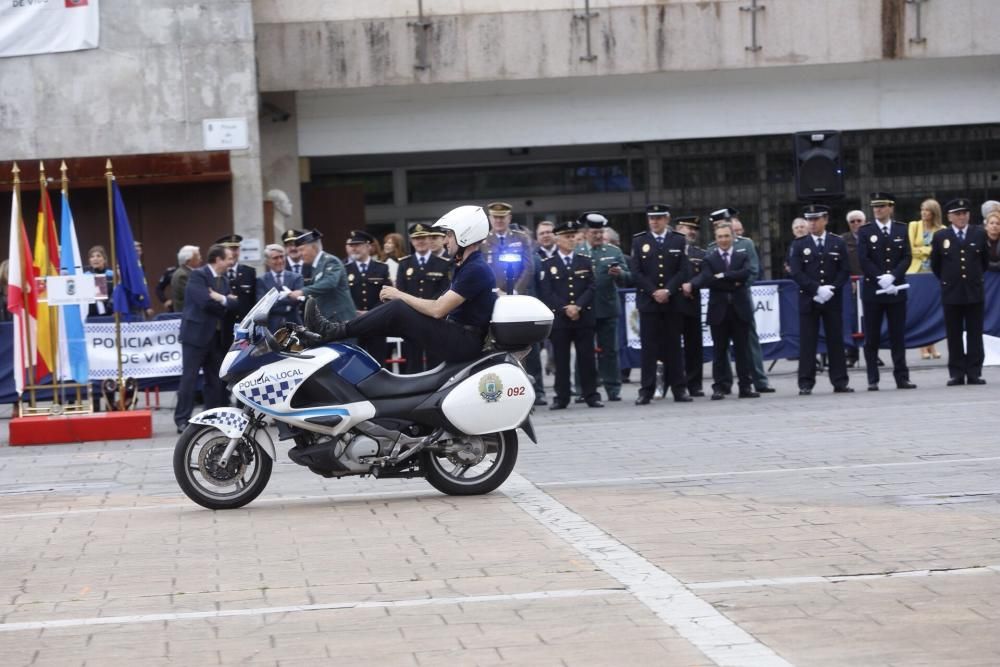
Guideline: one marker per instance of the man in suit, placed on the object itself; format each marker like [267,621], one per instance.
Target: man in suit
[659,268]
[610,272]
[742,244]
[689,306]
[819,264]
[884,254]
[960,258]
[507,251]
[366,276]
[285,309]
[567,287]
[207,301]
[329,279]
[293,256]
[426,276]
[726,273]
[188,259]
[855,221]
[242,283]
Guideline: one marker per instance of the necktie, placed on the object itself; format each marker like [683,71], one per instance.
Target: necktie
[232,275]
[423,260]
[659,241]
[297,268]
[218,284]
[819,244]
[569,262]
[725,258]
[503,239]
[364,268]
[885,231]
[277,280]
[961,235]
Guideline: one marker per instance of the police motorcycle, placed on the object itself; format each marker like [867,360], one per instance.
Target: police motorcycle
[454,425]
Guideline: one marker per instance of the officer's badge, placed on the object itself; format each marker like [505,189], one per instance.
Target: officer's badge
[409,271]
[490,387]
[645,247]
[554,271]
[873,239]
[807,251]
[947,243]
[350,277]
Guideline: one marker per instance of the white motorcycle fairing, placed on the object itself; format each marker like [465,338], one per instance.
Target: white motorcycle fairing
[496,398]
[271,390]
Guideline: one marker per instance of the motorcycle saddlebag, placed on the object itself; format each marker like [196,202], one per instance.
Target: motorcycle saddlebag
[519,321]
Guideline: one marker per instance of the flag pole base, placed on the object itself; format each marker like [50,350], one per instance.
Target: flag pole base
[73,429]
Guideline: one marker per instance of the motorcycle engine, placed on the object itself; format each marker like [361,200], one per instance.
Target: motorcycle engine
[361,446]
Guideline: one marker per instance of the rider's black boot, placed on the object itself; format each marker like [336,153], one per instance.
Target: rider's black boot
[318,324]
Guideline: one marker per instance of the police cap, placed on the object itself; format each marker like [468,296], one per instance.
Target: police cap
[592,220]
[568,227]
[499,208]
[358,236]
[230,241]
[657,209]
[958,205]
[881,199]
[813,211]
[312,236]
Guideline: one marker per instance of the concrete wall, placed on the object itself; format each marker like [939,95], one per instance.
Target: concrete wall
[162,67]
[314,45]
[649,107]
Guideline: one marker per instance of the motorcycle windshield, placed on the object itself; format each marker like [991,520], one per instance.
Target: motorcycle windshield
[260,309]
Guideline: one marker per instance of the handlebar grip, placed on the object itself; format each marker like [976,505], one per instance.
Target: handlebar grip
[305,333]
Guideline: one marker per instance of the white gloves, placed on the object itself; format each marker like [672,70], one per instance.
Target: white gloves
[892,290]
[885,280]
[823,294]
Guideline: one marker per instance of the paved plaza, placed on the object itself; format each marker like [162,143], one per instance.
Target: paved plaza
[858,529]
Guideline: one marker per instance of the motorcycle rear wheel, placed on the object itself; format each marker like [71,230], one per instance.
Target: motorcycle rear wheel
[450,475]
[202,480]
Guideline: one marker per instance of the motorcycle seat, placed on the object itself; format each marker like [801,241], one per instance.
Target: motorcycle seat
[383,384]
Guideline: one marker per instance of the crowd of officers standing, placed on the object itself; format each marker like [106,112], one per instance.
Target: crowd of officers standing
[576,268]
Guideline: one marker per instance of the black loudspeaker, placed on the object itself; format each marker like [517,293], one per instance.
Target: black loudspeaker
[819,172]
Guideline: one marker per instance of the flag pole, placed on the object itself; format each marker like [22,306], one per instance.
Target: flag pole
[43,187]
[64,190]
[25,312]
[110,177]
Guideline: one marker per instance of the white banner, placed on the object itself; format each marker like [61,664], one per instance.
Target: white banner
[149,349]
[766,308]
[47,26]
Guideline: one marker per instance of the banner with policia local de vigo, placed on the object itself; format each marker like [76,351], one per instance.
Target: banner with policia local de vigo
[30,27]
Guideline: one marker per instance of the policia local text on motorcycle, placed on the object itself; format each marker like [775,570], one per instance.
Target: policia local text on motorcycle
[454,424]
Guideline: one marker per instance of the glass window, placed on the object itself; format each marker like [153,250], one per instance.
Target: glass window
[693,172]
[377,184]
[524,180]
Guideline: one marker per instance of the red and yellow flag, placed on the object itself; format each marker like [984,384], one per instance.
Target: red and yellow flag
[46,264]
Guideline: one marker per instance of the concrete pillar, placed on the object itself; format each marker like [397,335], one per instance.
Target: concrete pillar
[279,150]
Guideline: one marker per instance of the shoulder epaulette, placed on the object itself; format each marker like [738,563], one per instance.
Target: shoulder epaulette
[635,236]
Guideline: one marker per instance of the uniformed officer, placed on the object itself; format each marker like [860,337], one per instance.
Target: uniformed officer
[884,254]
[425,275]
[610,272]
[507,251]
[660,266]
[567,287]
[689,307]
[242,283]
[819,264]
[366,276]
[959,258]
[293,256]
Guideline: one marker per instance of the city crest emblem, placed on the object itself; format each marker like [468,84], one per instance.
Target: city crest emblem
[490,387]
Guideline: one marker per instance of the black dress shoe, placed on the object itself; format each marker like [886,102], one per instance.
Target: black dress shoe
[697,393]
[765,390]
[642,400]
[727,392]
[805,391]
[540,400]
[579,399]
[880,362]
[614,398]
[595,403]
[557,405]
[843,390]
[683,398]
[873,386]
[954,382]
[749,394]
[718,395]
[976,381]
[905,384]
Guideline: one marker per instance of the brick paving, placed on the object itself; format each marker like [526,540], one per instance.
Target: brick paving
[774,511]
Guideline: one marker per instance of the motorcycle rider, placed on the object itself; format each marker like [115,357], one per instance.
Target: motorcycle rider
[454,323]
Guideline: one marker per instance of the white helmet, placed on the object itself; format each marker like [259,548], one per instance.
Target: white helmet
[468,223]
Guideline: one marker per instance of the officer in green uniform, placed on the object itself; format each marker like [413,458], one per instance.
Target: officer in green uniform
[610,272]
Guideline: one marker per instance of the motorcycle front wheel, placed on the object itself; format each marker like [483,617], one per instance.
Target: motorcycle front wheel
[203,480]
[472,465]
